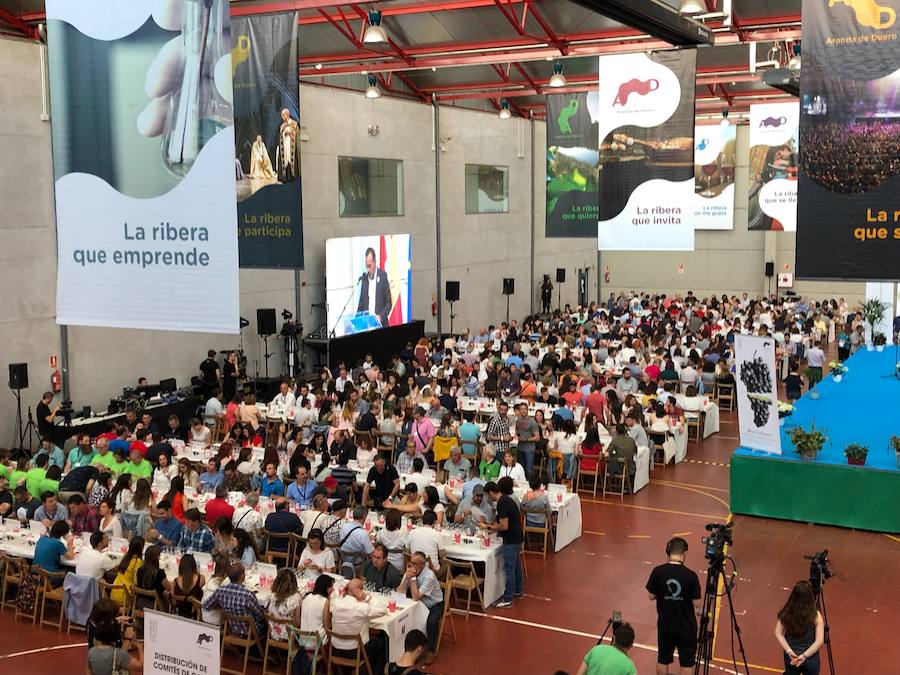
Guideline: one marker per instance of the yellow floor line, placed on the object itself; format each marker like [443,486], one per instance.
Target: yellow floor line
[693,485]
[652,508]
[598,534]
[638,536]
[699,492]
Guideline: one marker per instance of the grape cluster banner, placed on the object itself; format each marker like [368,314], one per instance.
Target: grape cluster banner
[849,197]
[265,66]
[143,157]
[646,133]
[573,162]
[774,140]
[757,393]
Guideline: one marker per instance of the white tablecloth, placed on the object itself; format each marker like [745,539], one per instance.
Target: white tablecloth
[641,469]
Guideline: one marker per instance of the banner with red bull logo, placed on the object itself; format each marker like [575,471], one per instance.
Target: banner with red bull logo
[849,185]
[645,113]
[774,139]
[714,162]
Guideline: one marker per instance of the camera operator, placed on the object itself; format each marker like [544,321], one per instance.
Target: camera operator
[611,659]
[676,591]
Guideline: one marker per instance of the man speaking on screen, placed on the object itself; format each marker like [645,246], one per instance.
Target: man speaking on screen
[375,294]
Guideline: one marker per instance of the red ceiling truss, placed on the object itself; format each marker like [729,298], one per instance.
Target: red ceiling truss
[535,39]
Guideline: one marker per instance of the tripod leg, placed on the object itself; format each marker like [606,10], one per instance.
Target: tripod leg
[820,602]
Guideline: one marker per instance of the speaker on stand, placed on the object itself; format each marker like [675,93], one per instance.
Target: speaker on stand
[560,280]
[509,287]
[451,293]
[265,328]
[770,272]
[18,380]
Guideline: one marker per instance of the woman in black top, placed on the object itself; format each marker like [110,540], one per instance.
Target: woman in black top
[793,383]
[189,584]
[231,371]
[150,577]
[800,631]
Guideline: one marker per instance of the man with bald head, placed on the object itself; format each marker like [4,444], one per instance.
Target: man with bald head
[350,615]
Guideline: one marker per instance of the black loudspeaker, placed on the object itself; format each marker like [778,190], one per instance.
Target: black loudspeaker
[18,376]
[770,269]
[452,291]
[560,275]
[265,322]
[509,286]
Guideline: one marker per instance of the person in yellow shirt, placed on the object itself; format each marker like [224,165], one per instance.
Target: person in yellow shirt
[128,569]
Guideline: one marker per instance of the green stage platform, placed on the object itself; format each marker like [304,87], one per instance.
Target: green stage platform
[813,492]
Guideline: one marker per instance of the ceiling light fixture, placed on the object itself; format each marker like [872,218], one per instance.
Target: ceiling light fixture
[692,7]
[557,79]
[372,90]
[724,121]
[504,109]
[318,66]
[375,32]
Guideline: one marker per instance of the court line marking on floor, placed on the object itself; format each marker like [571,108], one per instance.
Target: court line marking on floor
[596,534]
[41,650]
[700,492]
[681,534]
[890,536]
[638,536]
[652,508]
[594,636]
[693,485]
[700,461]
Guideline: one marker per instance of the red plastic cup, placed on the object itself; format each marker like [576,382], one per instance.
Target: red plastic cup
[457,537]
[559,497]
[310,585]
[392,605]
[368,525]
[487,542]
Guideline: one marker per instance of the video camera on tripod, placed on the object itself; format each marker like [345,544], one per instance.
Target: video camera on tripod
[720,535]
[819,572]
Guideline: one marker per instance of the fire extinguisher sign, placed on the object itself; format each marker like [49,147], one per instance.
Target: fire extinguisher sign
[54,361]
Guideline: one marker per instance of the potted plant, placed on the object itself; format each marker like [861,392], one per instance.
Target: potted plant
[838,369]
[856,454]
[880,341]
[895,445]
[785,410]
[807,443]
[873,311]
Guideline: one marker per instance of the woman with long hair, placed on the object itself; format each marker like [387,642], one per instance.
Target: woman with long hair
[164,473]
[175,496]
[393,536]
[315,612]
[187,473]
[126,572]
[246,548]
[121,493]
[316,558]
[432,502]
[150,577]
[188,584]
[800,630]
[246,465]
[108,522]
[284,603]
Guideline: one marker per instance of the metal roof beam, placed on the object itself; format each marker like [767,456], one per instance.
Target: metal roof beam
[18,24]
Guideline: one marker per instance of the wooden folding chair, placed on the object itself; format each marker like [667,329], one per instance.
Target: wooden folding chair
[277,646]
[725,395]
[143,599]
[620,480]
[231,636]
[298,545]
[107,589]
[302,639]
[52,593]
[445,616]
[390,447]
[583,474]
[271,555]
[461,576]
[694,423]
[360,659]
[657,446]
[13,569]
[25,571]
[544,532]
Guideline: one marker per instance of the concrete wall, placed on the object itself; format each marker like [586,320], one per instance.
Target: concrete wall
[722,261]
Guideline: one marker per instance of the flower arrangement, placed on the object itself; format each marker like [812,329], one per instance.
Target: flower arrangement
[856,453]
[838,368]
[873,311]
[807,443]
[786,410]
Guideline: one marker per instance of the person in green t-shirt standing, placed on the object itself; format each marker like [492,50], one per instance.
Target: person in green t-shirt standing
[611,659]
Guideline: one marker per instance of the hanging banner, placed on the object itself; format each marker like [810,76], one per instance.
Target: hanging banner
[646,132]
[849,217]
[714,177]
[176,645]
[143,154]
[757,393]
[774,140]
[573,162]
[267,140]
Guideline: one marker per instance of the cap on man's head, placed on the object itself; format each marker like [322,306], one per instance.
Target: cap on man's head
[330,483]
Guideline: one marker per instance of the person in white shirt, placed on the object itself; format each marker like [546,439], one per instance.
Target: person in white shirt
[213,410]
[305,416]
[248,518]
[350,615]
[418,476]
[93,562]
[342,380]
[163,474]
[512,468]
[284,399]
[200,435]
[427,540]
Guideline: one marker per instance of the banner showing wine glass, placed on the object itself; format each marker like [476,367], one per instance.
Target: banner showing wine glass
[267,140]
[757,393]
[849,216]
[774,141]
[143,156]
[573,162]
[646,133]
[714,177]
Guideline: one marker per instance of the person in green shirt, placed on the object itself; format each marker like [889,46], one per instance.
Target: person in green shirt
[18,474]
[34,476]
[119,462]
[489,468]
[50,483]
[4,469]
[138,467]
[103,457]
[611,659]
[82,454]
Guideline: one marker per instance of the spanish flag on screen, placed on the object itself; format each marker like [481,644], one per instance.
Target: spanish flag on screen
[394,257]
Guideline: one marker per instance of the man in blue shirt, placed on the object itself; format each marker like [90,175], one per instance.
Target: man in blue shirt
[195,536]
[468,434]
[355,542]
[212,477]
[56,457]
[50,549]
[166,528]
[282,521]
[50,511]
[301,490]
[271,485]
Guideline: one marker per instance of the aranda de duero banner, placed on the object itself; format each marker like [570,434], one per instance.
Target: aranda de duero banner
[573,161]
[646,120]
[714,177]
[774,139]
[143,157]
[267,140]
[849,198]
